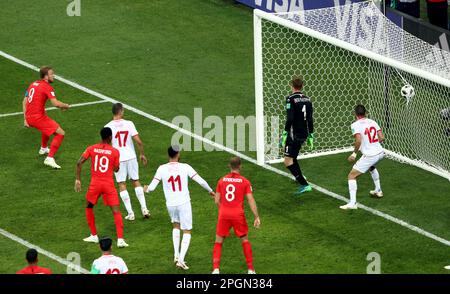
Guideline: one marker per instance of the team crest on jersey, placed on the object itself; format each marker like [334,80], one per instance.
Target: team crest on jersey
[288,106]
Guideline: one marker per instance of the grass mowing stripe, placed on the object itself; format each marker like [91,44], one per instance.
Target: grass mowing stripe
[53,108]
[231,151]
[43,252]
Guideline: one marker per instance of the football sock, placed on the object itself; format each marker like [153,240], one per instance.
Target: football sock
[56,142]
[44,140]
[376,179]
[248,254]
[126,201]
[297,173]
[91,221]
[176,242]
[184,246]
[217,252]
[141,197]
[352,187]
[119,224]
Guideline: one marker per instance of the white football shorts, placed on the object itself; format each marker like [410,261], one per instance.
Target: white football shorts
[181,214]
[365,162]
[128,169]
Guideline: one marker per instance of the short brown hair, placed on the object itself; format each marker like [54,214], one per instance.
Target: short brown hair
[43,71]
[117,108]
[235,162]
[297,82]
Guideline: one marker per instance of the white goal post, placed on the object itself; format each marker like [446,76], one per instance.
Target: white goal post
[348,55]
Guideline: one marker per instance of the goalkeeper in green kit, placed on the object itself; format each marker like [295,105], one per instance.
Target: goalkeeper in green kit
[299,129]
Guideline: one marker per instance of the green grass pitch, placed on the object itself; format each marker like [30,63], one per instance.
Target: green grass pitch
[165,58]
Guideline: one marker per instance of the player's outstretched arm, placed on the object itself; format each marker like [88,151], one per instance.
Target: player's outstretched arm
[152,186]
[24,107]
[357,145]
[254,209]
[78,174]
[140,145]
[217,199]
[156,179]
[59,104]
[204,184]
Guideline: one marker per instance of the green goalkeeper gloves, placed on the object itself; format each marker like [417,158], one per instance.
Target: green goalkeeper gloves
[283,139]
[310,141]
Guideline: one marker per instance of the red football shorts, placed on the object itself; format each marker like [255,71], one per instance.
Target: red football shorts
[45,124]
[239,226]
[107,190]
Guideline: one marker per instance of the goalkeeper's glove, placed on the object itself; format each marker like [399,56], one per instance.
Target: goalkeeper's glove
[310,141]
[283,139]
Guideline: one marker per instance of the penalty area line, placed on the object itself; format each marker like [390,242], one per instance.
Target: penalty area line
[236,153]
[54,108]
[44,252]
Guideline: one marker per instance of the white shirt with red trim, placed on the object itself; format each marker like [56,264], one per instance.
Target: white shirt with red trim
[174,177]
[368,129]
[109,264]
[123,132]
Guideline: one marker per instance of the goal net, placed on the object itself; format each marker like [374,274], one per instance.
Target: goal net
[348,55]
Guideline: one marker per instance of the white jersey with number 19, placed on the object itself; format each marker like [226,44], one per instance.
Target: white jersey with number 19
[368,129]
[123,132]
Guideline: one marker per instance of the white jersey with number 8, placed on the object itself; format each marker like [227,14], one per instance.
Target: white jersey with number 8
[123,132]
[368,129]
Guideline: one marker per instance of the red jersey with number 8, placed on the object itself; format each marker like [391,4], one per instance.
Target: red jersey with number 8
[104,160]
[232,188]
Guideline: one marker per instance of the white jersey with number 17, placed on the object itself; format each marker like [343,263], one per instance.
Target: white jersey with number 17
[368,129]
[123,132]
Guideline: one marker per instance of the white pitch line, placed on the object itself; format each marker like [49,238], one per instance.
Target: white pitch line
[53,108]
[231,151]
[43,252]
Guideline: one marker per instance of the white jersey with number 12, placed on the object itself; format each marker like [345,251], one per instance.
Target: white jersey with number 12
[368,129]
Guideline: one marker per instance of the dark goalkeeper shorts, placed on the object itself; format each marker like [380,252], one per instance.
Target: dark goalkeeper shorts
[293,146]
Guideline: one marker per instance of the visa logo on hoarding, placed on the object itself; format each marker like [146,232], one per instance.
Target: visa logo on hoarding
[278,5]
[293,5]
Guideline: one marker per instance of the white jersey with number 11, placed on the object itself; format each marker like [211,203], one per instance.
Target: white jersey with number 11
[174,177]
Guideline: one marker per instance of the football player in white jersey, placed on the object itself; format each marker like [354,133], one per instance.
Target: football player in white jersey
[368,136]
[108,263]
[124,132]
[174,176]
